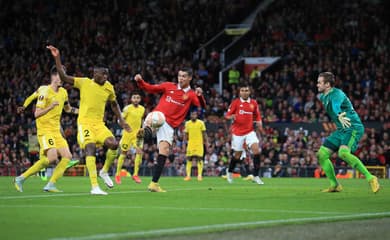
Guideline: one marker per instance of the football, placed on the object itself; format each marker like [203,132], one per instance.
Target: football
[155,119]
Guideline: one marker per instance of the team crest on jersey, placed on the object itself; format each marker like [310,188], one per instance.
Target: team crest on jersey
[252,106]
[171,92]
[185,97]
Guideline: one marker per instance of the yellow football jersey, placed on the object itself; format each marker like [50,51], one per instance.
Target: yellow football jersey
[51,120]
[93,98]
[195,132]
[133,116]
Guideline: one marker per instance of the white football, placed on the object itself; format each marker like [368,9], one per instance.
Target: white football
[155,119]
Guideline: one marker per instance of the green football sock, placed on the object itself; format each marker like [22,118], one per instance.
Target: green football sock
[323,157]
[354,162]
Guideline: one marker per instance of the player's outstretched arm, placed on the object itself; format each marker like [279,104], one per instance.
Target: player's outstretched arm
[157,88]
[116,109]
[27,102]
[56,54]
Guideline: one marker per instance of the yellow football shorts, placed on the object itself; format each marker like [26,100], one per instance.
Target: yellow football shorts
[128,140]
[92,133]
[51,140]
[194,151]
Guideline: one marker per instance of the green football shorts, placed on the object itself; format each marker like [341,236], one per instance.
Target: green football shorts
[347,136]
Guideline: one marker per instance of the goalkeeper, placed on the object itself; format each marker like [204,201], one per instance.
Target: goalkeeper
[346,138]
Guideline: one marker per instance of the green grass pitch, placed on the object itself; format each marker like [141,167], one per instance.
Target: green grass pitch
[187,209]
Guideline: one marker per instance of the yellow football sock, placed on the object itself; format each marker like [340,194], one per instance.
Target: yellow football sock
[188,168]
[110,157]
[59,170]
[119,165]
[91,166]
[137,163]
[38,165]
[200,168]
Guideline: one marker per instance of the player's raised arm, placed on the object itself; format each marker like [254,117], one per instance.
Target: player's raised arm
[56,54]
[116,109]
[158,88]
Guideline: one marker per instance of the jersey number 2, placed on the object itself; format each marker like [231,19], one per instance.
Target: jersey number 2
[86,133]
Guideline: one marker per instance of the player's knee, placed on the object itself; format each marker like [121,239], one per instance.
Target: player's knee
[111,143]
[323,154]
[255,149]
[343,153]
[90,149]
[52,155]
[163,148]
[113,146]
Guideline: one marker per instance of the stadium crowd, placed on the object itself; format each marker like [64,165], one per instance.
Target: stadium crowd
[157,37]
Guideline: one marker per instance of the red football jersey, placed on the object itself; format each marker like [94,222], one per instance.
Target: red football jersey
[245,113]
[174,102]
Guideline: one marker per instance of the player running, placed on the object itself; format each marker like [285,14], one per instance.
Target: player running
[32,98]
[244,111]
[346,138]
[52,100]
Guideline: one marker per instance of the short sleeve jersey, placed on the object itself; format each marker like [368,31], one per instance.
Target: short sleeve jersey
[93,98]
[50,121]
[133,116]
[195,132]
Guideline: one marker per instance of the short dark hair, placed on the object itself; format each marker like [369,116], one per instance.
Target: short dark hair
[328,78]
[187,70]
[244,84]
[101,66]
[54,71]
[135,93]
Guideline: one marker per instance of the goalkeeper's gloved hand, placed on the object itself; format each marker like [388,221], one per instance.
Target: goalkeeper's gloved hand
[345,121]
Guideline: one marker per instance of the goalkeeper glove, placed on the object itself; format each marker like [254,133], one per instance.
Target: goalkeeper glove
[345,121]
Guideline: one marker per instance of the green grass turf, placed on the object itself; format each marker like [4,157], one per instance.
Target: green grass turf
[130,211]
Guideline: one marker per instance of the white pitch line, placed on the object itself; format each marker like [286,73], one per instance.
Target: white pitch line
[172,208]
[224,226]
[49,195]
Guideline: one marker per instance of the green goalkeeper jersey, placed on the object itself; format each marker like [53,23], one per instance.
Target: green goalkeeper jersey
[336,102]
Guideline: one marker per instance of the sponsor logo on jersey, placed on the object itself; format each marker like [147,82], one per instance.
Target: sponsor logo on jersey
[242,112]
[170,100]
